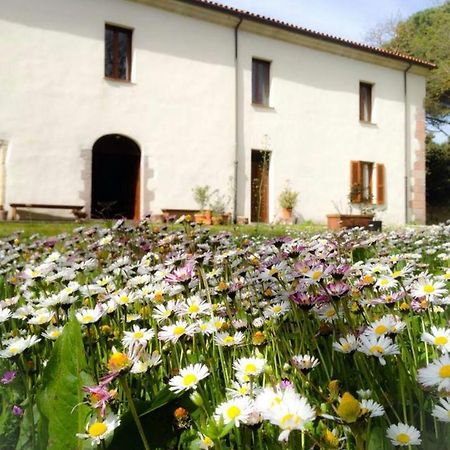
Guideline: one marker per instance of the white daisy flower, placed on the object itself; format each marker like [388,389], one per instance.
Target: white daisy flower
[89,315]
[239,389]
[364,393]
[52,332]
[188,378]
[346,344]
[17,345]
[386,282]
[205,442]
[236,410]
[386,325]
[41,316]
[377,346]
[439,337]
[442,411]
[305,363]
[145,362]
[5,314]
[277,309]
[403,435]
[436,374]
[173,332]
[246,368]
[225,339]
[98,430]
[162,312]
[374,408]
[429,288]
[193,306]
[139,336]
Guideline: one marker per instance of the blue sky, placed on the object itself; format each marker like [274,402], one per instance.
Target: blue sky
[345,18]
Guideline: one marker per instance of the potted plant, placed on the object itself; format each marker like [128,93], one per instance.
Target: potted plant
[288,200]
[218,206]
[202,195]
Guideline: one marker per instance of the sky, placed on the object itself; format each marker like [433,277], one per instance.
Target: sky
[350,19]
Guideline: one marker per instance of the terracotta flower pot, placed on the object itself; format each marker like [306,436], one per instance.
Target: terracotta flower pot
[286,213]
[340,221]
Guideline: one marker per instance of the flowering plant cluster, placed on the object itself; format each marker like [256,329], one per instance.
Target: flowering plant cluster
[144,337]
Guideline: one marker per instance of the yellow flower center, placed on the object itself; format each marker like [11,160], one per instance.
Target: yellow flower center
[380,329]
[189,379]
[138,335]
[97,429]
[277,308]
[428,289]
[179,330]
[233,412]
[440,340]
[316,275]
[207,441]
[377,349]
[88,318]
[368,279]
[286,418]
[250,368]
[124,298]
[229,340]
[444,371]
[118,361]
[346,347]
[158,296]
[13,350]
[384,281]
[194,308]
[403,438]
[330,312]
[55,333]
[397,273]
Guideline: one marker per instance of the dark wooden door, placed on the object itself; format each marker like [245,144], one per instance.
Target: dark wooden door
[260,186]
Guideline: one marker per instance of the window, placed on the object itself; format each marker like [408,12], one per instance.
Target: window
[117,53]
[365,102]
[362,182]
[260,82]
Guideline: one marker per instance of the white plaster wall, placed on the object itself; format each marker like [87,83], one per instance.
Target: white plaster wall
[179,108]
[55,102]
[314,130]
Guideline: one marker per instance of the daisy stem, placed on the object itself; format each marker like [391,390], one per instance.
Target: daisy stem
[126,388]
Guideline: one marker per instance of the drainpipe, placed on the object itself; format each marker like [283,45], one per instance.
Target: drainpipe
[407,141]
[236,101]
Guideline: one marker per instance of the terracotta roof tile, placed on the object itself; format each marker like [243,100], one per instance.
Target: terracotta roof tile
[307,32]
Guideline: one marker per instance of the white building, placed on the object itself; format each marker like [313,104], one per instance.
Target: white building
[124,106]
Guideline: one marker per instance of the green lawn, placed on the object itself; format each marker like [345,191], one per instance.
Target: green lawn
[52,228]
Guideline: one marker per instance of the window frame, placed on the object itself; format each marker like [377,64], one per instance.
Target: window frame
[261,82]
[365,102]
[115,72]
[367,183]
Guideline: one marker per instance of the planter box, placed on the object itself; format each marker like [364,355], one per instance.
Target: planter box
[341,221]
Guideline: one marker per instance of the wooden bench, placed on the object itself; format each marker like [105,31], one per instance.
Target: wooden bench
[76,209]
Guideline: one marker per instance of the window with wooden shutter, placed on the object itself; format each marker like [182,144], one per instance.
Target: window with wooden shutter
[118,53]
[260,82]
[365,102]
[380,184]
[355,182]
[361,181]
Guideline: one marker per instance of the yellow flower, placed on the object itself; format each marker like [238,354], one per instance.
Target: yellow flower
[331,439]
[118,361]
[349,408]
[258,338]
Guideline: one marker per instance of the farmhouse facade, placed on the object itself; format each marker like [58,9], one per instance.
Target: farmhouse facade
[124,106]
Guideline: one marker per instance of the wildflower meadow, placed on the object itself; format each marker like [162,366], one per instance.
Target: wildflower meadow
[140,337]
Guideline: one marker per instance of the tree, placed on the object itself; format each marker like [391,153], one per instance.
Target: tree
[425,35]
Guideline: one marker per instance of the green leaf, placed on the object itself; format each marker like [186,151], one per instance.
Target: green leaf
[377,439]
[59,400]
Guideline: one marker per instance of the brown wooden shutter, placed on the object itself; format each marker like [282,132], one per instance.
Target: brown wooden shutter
[355,181]
[380,184]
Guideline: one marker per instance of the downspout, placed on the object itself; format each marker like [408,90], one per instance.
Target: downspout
[407,141]
[236,102]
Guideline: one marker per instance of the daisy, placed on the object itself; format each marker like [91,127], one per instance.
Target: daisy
[247,368]
[145,362]
[372,407]
[377,346]
[52,332]
[162,312]
[96,430]
[139,336]
[41,316]
[440,337]
[87,315]
[386,325]
[225,339]
[277,309]
[427,287]
[5,314]
[205,442]
[17,345]
[304,363]
[174,332]
[403,435]
[236,410]
[239,389]
[442,411]
[386,282]
[346,344]
[193,307]
[436,374]
[188,378]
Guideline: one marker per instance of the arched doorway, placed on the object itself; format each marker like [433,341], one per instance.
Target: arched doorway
[115,178]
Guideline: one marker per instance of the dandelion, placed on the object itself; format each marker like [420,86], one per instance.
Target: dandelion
[436,374]
[403,435]
[188,378]
[99,430]
[442,411]
[439,337]
[236,410]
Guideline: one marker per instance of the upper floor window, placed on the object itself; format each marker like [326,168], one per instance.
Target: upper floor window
[118,53]
[260,82]
[365,102]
